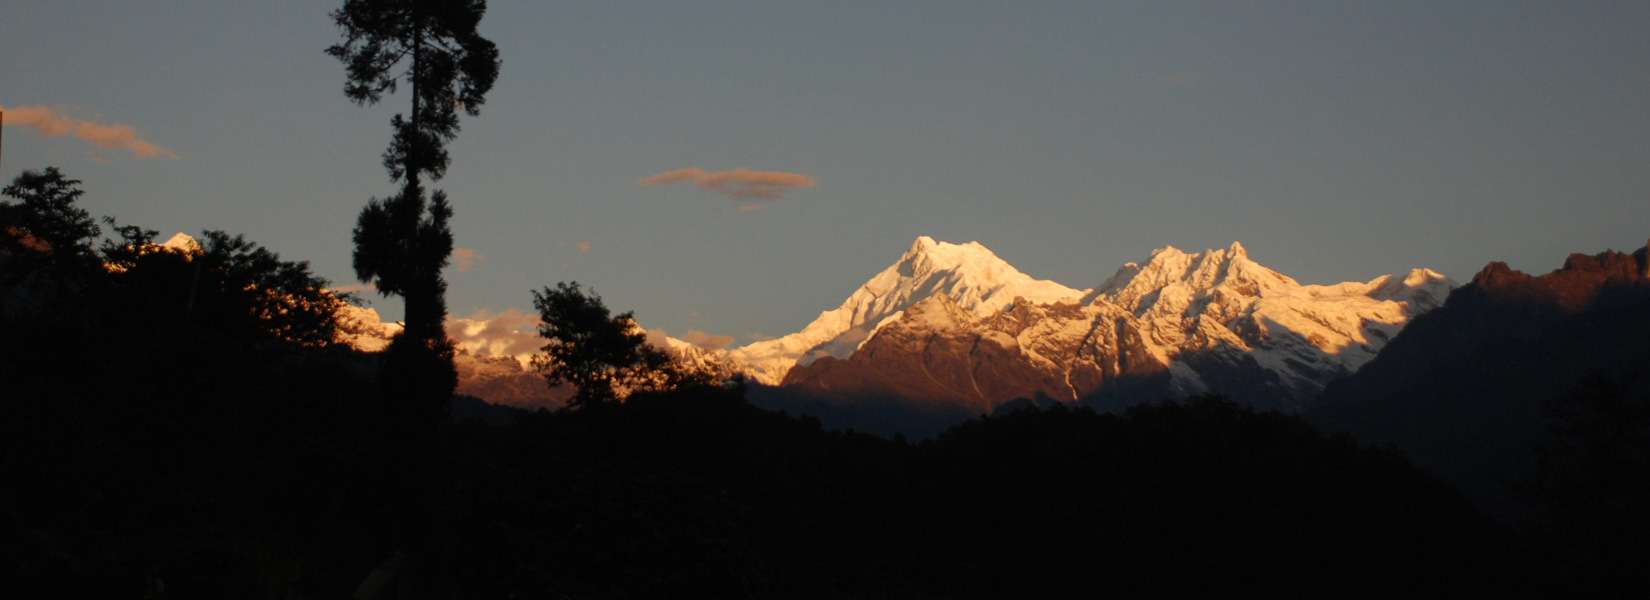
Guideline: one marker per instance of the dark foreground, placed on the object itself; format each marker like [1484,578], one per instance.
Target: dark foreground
[168,430]
[284,480]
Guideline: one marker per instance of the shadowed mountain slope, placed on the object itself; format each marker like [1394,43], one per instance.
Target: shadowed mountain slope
[1464,388]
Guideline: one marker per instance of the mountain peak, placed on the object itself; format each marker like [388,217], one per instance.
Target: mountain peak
[182,242]
[1177,277]
[950,255]
[921,244]
[1165,251]
[969,275]
[1572,287]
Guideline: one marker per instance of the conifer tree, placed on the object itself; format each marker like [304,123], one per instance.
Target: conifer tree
[402,242]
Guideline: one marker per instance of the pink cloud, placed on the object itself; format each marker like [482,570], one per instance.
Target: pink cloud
[466,258]
[103,135]
[583,246]
[751,189]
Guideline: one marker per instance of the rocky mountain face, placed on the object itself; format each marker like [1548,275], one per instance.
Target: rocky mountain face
[1466,390]
[1178,324]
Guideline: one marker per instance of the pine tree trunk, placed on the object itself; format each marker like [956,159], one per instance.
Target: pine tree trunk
[424,310]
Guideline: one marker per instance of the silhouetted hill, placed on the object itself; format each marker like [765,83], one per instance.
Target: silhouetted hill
[1463,388]
[698,491]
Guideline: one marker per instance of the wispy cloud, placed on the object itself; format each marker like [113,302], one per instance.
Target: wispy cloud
[108,136]
[465,259]
[749,188]
[706,340]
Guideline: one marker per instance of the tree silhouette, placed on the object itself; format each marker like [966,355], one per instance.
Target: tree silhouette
[402,242]
[46,219]
[602,354]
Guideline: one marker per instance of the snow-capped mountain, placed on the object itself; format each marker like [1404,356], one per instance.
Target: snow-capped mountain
[969,274]
[181,242]
[1179,323]
[956,324]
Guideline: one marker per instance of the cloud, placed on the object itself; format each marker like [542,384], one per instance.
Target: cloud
[583,246]
[466,258]
[108,136]
[750,189]
[510,333]
[706,340]
[657,338]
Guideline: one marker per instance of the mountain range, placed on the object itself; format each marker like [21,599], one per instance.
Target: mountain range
[954,324]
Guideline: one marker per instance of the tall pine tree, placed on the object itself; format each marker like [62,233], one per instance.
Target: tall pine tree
[403,242]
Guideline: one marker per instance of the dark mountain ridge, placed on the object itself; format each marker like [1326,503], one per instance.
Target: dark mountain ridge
[1465,390]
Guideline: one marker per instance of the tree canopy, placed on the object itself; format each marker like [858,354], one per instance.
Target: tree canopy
[604,355]
[446,63]
[45,218]
[403,242]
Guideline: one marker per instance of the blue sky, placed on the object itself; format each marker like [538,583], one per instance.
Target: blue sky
[1336,140]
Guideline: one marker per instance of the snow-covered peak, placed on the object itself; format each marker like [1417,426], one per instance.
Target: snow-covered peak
[1177,301]
[362,328]
[1425,288]
[1171,278]
[971,275]
[973,258]
[181,242]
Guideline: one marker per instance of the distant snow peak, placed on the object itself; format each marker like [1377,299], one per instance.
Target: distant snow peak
[1171,278]
[1202,318]
[182,242]
[971,275]
[1423,289]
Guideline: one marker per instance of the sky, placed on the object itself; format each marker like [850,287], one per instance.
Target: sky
[1337,141]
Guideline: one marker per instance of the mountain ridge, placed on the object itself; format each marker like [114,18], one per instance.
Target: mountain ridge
[1175,323]
[1465,389]
[1179,323]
